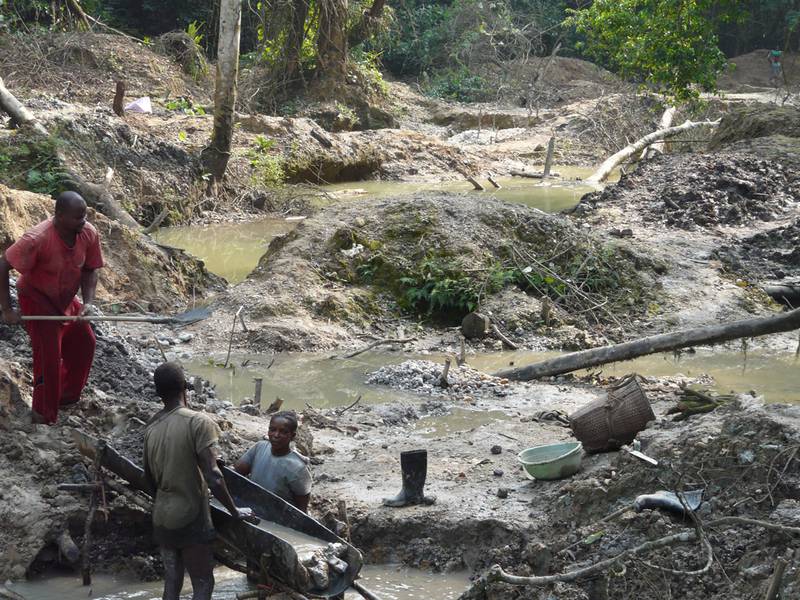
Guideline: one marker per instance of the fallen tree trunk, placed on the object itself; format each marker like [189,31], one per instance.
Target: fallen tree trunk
[96,195]
[611,162]
[665,123]
[664,342]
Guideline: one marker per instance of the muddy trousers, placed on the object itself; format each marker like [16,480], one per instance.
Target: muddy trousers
[198,561]
[62,358]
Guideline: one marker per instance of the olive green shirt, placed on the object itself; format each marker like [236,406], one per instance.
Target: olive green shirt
[173,442]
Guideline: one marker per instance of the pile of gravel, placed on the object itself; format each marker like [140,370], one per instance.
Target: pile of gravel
[687,191]
[423,377]
[773,254]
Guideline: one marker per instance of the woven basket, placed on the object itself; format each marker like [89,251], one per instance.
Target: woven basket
[608,423]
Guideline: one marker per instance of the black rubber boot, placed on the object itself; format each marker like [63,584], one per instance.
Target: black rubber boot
[415,466]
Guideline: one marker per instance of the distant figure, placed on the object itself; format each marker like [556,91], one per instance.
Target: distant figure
[55,259]
[180,464]
[275,466]
[774,58]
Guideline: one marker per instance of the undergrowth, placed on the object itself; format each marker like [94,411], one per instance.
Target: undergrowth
[31,165]
[268,168]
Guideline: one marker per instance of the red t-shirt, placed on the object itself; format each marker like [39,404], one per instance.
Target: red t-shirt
[50,268]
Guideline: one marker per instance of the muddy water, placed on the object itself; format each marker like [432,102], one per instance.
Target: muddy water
[552,195]
[389,582]
[301,378]
[776,376]
[231,250]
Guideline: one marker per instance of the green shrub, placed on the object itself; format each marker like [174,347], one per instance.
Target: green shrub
[32,166]
[459,84]
[268,168]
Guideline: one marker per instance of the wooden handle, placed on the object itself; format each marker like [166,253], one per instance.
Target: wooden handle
[137,319]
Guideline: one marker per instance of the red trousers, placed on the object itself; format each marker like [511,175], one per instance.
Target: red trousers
[62,357]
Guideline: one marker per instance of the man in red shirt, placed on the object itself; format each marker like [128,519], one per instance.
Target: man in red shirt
[54,259]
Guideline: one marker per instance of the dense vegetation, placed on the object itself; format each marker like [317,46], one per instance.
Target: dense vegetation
[676,46]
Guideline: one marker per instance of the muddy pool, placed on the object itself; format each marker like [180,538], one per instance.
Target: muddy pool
[232,250]
[389,582]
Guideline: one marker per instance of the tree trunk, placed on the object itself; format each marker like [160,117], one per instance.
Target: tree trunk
[610,163]
[216,155]
[293,46]
[368,24]
[97,196]
[665,123]
[332,40]
[665,342]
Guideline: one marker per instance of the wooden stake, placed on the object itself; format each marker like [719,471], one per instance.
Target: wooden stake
[86,569]
[462,353]
[478,187]
[119,99]
[341,509]
[443,379]
[492,180]
[548,161]
[257,394]
[777,575]
[230,341]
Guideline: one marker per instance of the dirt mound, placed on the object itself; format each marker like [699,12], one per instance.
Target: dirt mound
[773,254]
[138,273]
[756,121]
[705,190]
[752,69]
[359,263]
[84,67]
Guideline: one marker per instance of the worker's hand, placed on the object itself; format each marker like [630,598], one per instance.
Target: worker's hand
[90,310]
[11,316]
[246,514]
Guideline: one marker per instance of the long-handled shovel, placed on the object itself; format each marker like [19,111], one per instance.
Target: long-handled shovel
[185,318]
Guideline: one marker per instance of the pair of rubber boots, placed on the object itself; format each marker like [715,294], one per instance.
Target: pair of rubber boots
[414,465]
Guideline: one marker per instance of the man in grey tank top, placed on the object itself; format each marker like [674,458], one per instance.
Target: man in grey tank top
[275,466]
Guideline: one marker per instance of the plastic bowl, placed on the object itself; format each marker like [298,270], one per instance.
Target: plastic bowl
[553,461]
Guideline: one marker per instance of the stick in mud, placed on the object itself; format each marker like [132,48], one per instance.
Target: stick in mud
[257,393]
[233,329]
[664,342]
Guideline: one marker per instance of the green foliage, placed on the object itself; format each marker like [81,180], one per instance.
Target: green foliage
[671,45]
[437,285]
[185,106]
[367,62]
[458,84]
[268,168]
[193,31]
[32,166]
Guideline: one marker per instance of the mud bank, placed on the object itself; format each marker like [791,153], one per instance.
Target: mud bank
[368,267]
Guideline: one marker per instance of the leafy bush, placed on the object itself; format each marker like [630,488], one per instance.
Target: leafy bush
[458,84]
[184,105]
[32,166]
[268,168]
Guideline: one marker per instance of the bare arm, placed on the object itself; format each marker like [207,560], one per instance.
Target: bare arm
[89,279]
[9,315]
[301,502]
[216,481]
[242,467]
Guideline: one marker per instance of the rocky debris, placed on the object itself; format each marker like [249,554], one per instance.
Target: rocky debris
[772,254]
[690,191]
[422,377]
[756,121]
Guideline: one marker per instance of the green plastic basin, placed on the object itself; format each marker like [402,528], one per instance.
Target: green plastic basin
[553,461]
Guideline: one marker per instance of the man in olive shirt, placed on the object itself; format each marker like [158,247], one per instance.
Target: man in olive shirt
[180,463]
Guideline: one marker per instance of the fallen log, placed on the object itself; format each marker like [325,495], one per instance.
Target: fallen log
[96,195]
[534,175]
[611,162]
[665,123]
[664,342]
